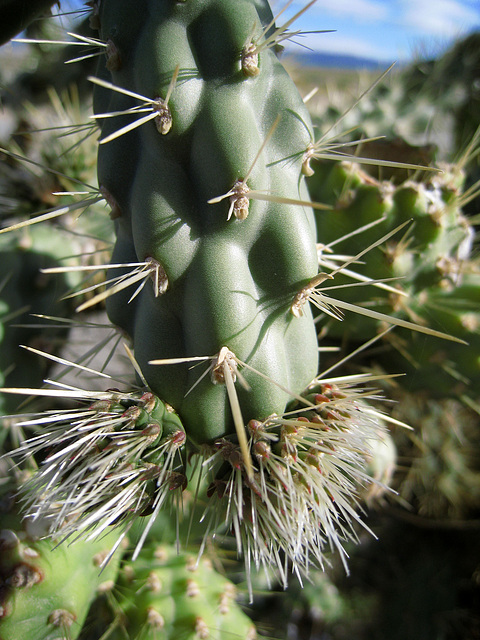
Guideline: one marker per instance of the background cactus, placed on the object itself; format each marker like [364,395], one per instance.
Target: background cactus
[427,271]
[18,15]
[26,290]
[172,595]
[45,589]
[227,272]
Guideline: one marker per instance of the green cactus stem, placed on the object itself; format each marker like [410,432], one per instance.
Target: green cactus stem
[231,262]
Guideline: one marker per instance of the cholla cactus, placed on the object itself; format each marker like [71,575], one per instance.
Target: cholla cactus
[426,272]
[212,199]
[204,146]
[227,284]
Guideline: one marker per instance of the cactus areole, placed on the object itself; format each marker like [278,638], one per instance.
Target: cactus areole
[201,163]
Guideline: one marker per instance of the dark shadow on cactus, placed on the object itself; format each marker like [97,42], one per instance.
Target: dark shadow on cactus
[29,291]
[210,38]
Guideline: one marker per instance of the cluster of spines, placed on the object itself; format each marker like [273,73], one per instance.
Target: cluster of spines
[309,474]
[103,465]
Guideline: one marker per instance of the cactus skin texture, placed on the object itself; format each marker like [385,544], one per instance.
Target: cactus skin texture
[45,592]
[228,282]
[167,595]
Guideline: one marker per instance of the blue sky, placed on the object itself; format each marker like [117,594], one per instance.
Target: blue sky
[385,30]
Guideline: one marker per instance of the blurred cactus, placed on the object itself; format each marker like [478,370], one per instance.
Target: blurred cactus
[16,15]
[26,290]
[439,473]
[427,102]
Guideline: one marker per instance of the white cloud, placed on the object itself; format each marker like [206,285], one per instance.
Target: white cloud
[365,10]
[345,45]
[438,17]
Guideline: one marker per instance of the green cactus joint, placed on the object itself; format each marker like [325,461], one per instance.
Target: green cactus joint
[427,272]
[176,595]
[45,589]
[228,113]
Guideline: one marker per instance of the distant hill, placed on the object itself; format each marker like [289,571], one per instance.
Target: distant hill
[336,61]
